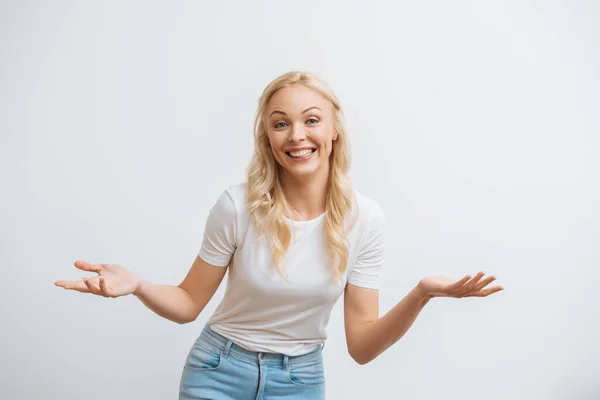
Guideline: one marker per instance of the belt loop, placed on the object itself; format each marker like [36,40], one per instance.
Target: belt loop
[322,345]
[286,360]
[226,349]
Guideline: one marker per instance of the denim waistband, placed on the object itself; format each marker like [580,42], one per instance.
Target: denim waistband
[252,356]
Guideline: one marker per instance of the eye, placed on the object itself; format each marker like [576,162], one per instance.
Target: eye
[278,125]
[312,121]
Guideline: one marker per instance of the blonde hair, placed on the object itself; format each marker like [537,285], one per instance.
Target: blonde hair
[265,193]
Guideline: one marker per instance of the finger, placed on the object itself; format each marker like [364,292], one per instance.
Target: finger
[486,292]
[92,284]
[106,291]
[86,266]
[73,285]
[468,287]
[483,283]
[458,284]
[476,286]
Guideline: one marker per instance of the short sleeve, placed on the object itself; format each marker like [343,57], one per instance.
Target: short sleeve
[218,243]
[369,261]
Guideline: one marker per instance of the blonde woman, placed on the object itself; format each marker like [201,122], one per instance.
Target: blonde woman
[294,237]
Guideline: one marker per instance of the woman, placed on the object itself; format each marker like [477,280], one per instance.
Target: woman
[295,236]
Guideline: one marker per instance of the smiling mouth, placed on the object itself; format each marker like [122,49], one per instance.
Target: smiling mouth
[302,154]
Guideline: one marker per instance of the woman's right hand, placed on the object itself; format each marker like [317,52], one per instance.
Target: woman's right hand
[112,280]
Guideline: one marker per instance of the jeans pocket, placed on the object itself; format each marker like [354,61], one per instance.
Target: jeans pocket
[306,374]
[204,356]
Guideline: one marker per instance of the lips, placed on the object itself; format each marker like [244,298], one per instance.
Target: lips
[296,149]
[300,153]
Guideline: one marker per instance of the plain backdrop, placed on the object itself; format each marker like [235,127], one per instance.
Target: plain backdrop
[474,124]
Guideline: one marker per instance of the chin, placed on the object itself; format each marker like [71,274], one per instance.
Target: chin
[303,170]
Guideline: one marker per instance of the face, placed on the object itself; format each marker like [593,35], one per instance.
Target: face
[300,127]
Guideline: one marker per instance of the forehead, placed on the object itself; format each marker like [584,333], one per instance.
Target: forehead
[297,98]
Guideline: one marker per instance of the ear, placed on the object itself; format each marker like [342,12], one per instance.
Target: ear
[335,135]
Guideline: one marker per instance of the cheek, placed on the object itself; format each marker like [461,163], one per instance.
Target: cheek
[322,138]
[273,143]
[325,141]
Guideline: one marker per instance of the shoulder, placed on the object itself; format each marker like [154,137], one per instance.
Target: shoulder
[238,189]
[230,202]
[233,196]
[370,212]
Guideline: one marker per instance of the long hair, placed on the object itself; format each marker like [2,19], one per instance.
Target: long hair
[265,193]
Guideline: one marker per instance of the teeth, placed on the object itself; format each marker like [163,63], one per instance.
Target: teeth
[301,153]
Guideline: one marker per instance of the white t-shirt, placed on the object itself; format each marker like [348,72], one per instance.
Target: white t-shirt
[261,311]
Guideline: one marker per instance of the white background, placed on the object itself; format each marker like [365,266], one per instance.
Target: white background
[474,124]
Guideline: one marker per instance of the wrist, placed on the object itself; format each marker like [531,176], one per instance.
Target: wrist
[422,293]
[140,287]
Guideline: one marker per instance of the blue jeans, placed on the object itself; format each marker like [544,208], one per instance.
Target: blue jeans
[218,369]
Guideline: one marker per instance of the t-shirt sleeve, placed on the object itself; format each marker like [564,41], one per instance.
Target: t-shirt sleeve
[369,261]
[218,243]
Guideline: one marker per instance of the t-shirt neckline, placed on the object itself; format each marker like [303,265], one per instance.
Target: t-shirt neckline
[308,221]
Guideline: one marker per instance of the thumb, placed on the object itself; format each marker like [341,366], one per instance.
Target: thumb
[86,266]
[107,291]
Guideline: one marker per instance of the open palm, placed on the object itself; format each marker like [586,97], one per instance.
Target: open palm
[112,280]
[439,286]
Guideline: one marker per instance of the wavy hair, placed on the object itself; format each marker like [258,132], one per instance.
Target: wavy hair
[265,192]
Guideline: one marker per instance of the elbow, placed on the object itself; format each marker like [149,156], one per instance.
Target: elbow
[360,357]
[360,360]
[185,320]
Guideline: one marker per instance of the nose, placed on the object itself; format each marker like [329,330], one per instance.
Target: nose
[297,133]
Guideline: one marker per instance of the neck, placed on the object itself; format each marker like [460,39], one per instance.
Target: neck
[306,195]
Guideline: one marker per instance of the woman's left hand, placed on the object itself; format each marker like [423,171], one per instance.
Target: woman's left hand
[439,286]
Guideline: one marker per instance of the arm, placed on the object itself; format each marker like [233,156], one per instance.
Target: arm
[183,303]
[367,334]
[180,304]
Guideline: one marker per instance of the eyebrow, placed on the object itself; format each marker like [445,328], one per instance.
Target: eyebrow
[308,109]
